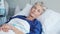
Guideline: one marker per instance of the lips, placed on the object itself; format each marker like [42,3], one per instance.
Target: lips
[32,14]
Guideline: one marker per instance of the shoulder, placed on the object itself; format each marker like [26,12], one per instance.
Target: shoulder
[19,16]
[38,22]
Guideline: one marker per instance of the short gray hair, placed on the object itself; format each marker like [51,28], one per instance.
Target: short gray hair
[41,4]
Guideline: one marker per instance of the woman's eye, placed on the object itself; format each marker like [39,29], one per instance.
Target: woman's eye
[34,7]
[38,10]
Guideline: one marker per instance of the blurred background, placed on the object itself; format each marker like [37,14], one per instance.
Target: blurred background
[52,4]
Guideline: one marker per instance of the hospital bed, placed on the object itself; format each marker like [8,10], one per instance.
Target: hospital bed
[50,20]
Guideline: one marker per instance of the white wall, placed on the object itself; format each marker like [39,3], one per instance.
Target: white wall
[53,4]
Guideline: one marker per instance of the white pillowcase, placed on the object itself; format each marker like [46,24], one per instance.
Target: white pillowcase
[51,22]
[47,14]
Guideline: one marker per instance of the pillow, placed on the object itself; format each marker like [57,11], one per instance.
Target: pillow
[20,24]
[17,9]
[25,11]
[48,13]
[51,22]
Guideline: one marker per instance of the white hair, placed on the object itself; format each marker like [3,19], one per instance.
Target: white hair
[41,4]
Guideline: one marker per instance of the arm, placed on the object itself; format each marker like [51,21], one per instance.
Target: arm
[7,27]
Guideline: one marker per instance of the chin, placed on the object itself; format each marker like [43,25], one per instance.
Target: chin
[33,16]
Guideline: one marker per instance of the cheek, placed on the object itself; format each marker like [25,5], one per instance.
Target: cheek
[32,10]
[37,14]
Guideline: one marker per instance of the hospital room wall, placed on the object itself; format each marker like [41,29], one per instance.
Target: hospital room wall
[53,4]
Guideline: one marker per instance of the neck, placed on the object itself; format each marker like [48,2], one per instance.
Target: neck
[30,18]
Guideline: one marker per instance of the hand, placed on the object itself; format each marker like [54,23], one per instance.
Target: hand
[6,27]
[0,28]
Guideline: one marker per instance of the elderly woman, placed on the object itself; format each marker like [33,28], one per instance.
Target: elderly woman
[35,25]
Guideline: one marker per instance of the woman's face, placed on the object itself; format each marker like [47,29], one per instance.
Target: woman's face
[36,11]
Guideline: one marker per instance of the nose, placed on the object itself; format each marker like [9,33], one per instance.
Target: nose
[35,10]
